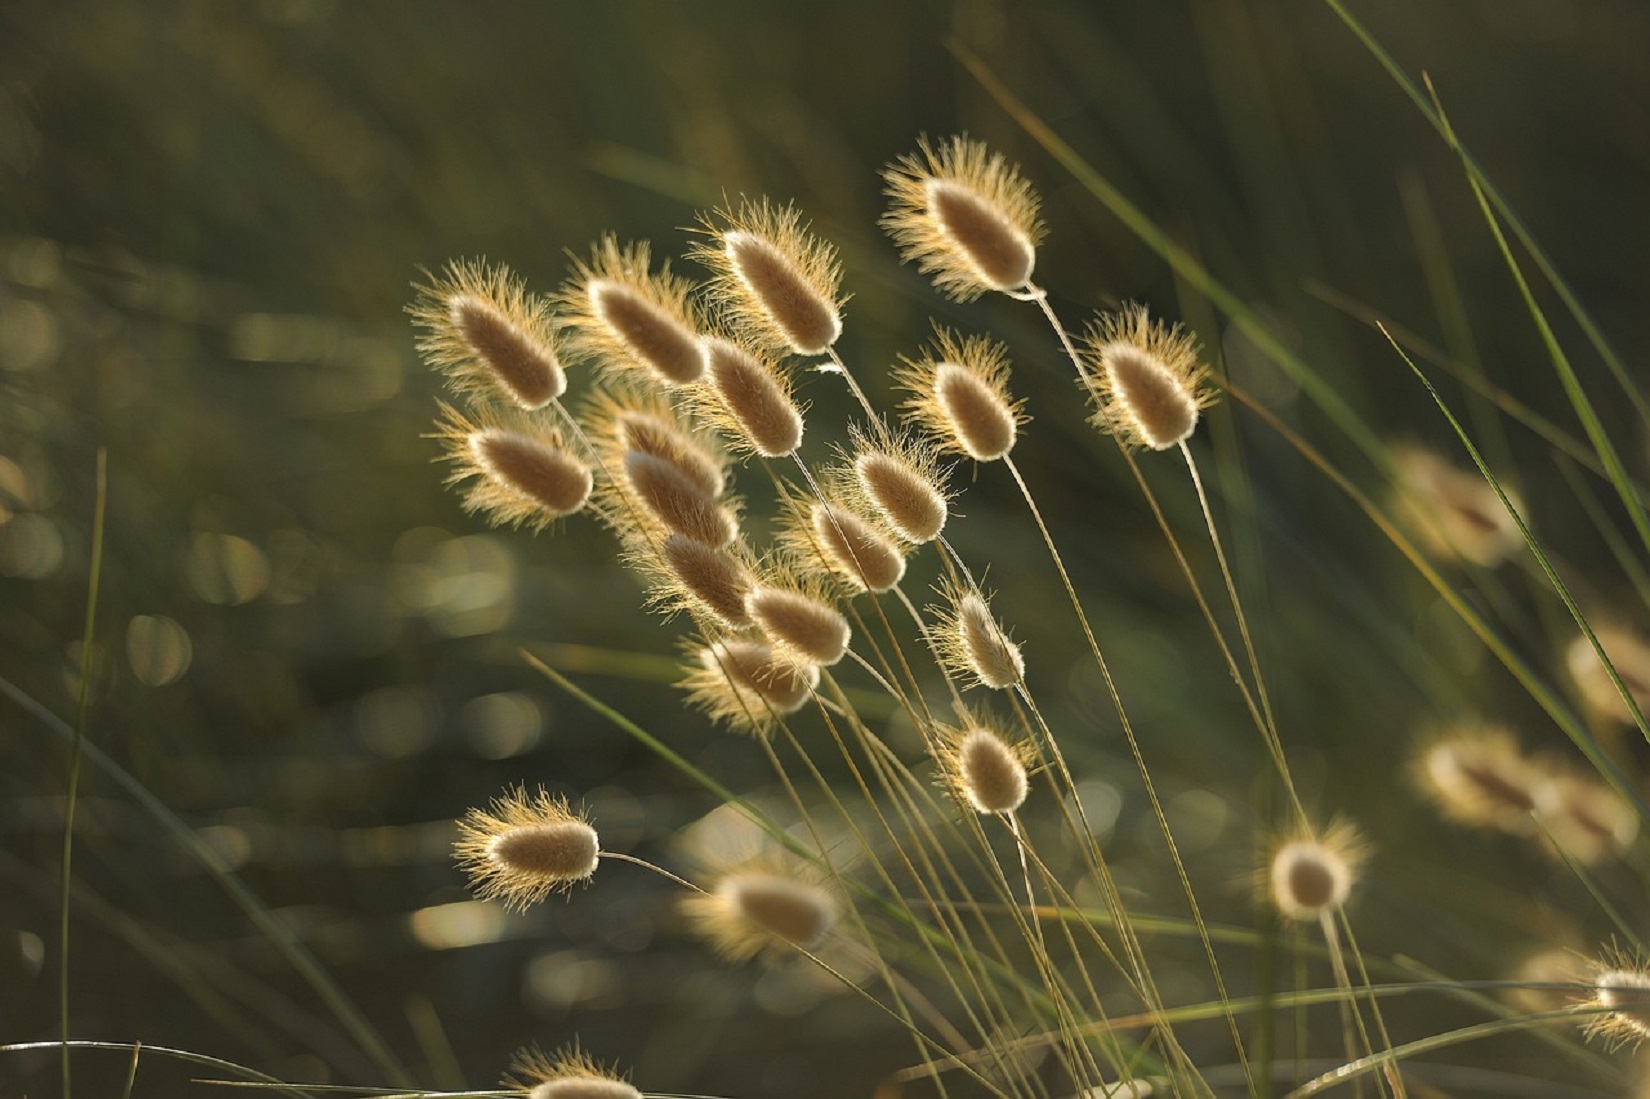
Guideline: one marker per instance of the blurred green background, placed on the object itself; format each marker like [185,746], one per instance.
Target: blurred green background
[210,217]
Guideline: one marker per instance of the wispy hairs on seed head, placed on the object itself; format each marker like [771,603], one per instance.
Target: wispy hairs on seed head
[516,470]
[524,847]
[746,683]
[490,338]
[986,770]
[959,388]
[774,281]
[623,418]
[896,477]
[568,1073]
[630,320]
[1313,871]
[972,644]
[747,397]
[764,906]
[1146,379]
[1619,999]
[858,552]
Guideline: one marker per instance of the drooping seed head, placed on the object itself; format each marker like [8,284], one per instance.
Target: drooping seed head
[568,1074]
[677,501]
[854,549]
[985,771]
[754,910]
[776,281]
[748,684]
[750,399]
[965,216]
[1454,512]
[960,396]
[805,627]
[1629,654]
[489,337]
[631,320]
[516,470]
[899,480]
[525,847]
[1310,875]
[1478,775]
[1145,379]
[974,645]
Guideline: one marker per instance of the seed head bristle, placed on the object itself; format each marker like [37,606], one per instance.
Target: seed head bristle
[630,320]
[519,471]
[898,479]
[489,337]
[1477,775]
[1310,874]
[749,399]
[972,643]
[776,281]
[965,216]
[758,909]
[1630,655]
[567,1074]
[525,847]
[960,390]
[1454,512]
[1620,1000]
[986,771]
[676,500]
[1146,379]
[804,625]
[748,684]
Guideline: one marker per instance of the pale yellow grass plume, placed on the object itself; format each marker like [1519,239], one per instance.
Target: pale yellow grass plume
[857,551]
[972,644]
[798,618]
[965,216]
[567,1074]
[1313,874]
[1629,653]
[674,501]
[748,398]
[689,575]
[777,283]
[985,770]
[490,337]
[1455,512]
[1619,1001]
[1147,380]
[524,847]
[747,684]
[1478,775]
[630,319]
[763,907]
[518,471]
[627,419]
[960,395]
[898,479]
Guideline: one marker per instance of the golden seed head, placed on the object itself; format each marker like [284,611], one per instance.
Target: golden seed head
[1589,821]
[757,909]
[985,770]
[1145,379]
[519,471]
[621,419]
[972,644]
[523,848]
[803,626]
[778,283]
[569,1074]
[1455,512]
[1630,655]
[750,399]
[900,481]
[961,396]
[965,216]
[490,338]
[1621,998]
[853,549]
[747,683]
[630,320]
[704,578]
[1477,775]
[676,501]
[1312,875]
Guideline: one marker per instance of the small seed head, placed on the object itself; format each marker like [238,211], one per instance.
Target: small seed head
[517,471]
[748,683]
[707,579]
[1621,996]
[1589,821]
[855,549]
[568,1074]
[1145,379]
[490,338]
[751,400]
[903,486]
[754,910]
[960,396]
[1477,775]
[776,281]
[974,646]
[676,500]
[986,771]
[525,847]
[1310,876]
[804,626]
[631,320]
[1630,655]
[1455,512]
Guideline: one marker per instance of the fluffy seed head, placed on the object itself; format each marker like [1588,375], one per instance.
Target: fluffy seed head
[1630,655]
[965,216]
[898,480]
[518,471]
[676,501]
[1146,379]
[747,683]
[974,645]
[1454,512]
[1621,999]
[481,328]
[855,550]
[756,909]
[778,283]
[986,771]
[1477,775]
[525,847]
[750,399]
[804,626]
[1310,876]
[630,320]
[703,578]
[960,396]
[568,1074]
[621,419]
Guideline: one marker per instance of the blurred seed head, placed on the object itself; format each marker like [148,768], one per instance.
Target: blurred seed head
[525,847]
[491,339]
[775,281]
[1630,655]
[1145,378]
[1454,512]
[1589,821]
[1477,775]
[1310,874]
[758,908]
[631,320]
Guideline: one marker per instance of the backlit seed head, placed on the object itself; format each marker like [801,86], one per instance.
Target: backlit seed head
[567,1074]
[897,479]
[748,398]
[631,320]
[491,339]
[965,216]
[973,644]
[1454,512]
[759,908]
[1311,875]
[830,537]
[803,625]
[1630,655]
[703,580]
[676,501]
[775,280]
[627,419]
[1589,821]
[961,396]
[986,771]
[1145,379]
[525,847]
[1477,775]
[1619,1000]
[748,684]
[518,471]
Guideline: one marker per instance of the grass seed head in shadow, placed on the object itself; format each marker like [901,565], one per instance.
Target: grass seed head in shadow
[629,319]
[1146,379]
[489,337]
[777,283]
[523,848]
[1477,775]
[1630,655]
[1454,512]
